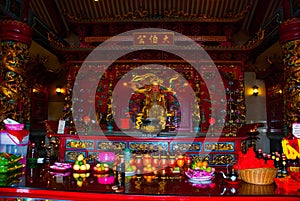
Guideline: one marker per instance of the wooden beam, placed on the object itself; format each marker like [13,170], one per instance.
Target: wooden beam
[55,16]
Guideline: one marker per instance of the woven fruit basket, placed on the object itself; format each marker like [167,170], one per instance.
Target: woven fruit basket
[259,176]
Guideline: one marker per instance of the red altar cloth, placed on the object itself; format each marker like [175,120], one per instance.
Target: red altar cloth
[20,134]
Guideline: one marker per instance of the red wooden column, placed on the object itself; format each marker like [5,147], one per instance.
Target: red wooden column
[15,40]
[289,32]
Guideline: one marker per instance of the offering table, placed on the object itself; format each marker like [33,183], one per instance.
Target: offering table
[40,183]
[218,150]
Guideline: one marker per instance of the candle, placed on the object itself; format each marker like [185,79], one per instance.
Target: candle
[125,123]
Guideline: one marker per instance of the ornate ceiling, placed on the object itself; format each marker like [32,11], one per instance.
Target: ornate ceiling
[65,18]
[58,13]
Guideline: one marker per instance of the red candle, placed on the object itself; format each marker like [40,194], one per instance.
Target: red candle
[138,161]
[125,123]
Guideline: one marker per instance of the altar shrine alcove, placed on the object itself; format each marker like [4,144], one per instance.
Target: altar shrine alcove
[113,81]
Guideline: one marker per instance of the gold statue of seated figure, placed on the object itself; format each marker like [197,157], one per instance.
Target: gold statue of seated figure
[154,104]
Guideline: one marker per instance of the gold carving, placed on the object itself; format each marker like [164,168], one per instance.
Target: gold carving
[93,39]
[141,146]
[222,159]
[173,14]
[155,103]
[72,155]
[80,144]
[116,146]
[258,38]
[291,61]
[289,151]
[225,146]
[186,147]
[153,38]
[14,91]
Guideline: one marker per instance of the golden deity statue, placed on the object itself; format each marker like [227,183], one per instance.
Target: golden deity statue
[154,104]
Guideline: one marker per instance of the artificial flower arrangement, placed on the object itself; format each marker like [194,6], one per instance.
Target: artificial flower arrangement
[255,170]
[249,161]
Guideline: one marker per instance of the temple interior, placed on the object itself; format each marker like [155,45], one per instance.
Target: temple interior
[209,79]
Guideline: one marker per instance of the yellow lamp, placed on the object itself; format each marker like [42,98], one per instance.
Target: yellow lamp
[255,90]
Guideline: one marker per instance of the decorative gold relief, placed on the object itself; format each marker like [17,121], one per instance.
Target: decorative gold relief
[259,36]
[80,144]
[291,51]
[220,146]
[14,91]
[173,14]
[165,98]
[222,159]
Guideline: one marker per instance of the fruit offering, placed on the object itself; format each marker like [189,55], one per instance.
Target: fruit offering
[80,164]
[80,178]
[101,167]
[199,174]
[106,161]
[202,165]
[148,168]
[131,167]
[148,165]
